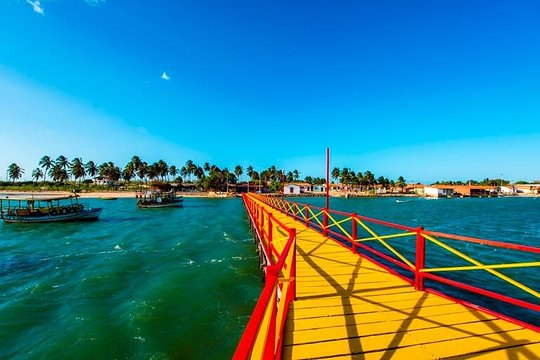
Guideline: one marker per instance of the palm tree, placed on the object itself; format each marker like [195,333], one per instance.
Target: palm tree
[345,176]
[296,175]
[238,171]
[142,170]
[336,172]
[369,179]
[136,162]
[401,183]
[152,171]
[77,169]
[199,172]
[46,164]
[183,171]
[91,168]
[190,168]
[162,168]
[173,171]
[58,173]
[206,167]
[63,162]
[129,172]
[37,173]
[15,172]
[249,172]
[289,178]
[110,171]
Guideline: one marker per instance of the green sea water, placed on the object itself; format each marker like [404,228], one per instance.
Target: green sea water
[178,283]
[136,284]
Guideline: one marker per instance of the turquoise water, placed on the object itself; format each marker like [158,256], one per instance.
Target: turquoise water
[137,284]
[178,283]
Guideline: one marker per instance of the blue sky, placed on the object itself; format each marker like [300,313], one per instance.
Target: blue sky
[429,90]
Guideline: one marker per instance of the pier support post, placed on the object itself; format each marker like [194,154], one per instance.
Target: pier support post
[420,259]
[272,278]
[325,222]
[269,241]
[354,232]
[292,232]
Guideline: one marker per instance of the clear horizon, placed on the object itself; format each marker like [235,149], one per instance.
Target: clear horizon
[428,91]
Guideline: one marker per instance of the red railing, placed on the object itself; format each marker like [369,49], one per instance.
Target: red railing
[407,258]
[262,337]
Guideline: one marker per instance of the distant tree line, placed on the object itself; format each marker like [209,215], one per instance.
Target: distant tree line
[206,177]
[485,182]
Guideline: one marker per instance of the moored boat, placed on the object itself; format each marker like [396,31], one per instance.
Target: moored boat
[158,199]
[47,208]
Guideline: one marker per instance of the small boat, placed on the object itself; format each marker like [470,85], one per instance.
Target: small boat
[158,199]
[108,198]
[44,209]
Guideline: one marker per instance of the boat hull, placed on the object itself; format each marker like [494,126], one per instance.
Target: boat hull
[83,215]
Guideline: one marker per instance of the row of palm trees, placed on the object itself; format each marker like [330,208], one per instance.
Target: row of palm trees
[61,170]
[365,180]
[207,176]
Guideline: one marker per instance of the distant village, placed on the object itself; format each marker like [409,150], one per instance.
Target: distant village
[72,176]
[435,191]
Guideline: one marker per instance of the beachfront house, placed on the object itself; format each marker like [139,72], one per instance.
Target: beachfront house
[438,191]
[318,188]
[507,190]
[414,189]
[296,188]
[475,190]
[246,187]
[527,189]
[103,181]
[291,189]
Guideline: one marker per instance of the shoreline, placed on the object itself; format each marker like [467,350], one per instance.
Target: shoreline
[105,195]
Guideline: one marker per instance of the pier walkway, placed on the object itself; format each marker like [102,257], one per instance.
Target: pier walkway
[346,306]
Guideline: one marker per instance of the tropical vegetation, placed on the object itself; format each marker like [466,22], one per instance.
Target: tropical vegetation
[61,172]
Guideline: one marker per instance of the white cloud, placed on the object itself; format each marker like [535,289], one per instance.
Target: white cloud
[36,5]
[164,76]
[46,127]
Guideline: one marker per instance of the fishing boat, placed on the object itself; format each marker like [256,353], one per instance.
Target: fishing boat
[158,199]
[44,209]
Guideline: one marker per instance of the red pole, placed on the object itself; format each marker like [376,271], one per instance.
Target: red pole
[327,206]
[354,231]
[307,215]
[292,232]
[262,223]
[270,235]
[269,351]
[420,259]
[327,178]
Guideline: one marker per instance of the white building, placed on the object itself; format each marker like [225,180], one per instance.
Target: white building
[438,191]
[291,189]
[296,188]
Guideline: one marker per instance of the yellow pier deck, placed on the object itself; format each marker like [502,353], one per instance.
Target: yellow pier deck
[348,307]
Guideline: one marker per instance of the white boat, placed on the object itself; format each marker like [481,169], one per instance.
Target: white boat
[158,199]
[45,208]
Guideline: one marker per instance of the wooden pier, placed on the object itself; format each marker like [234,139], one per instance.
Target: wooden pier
[348,307]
